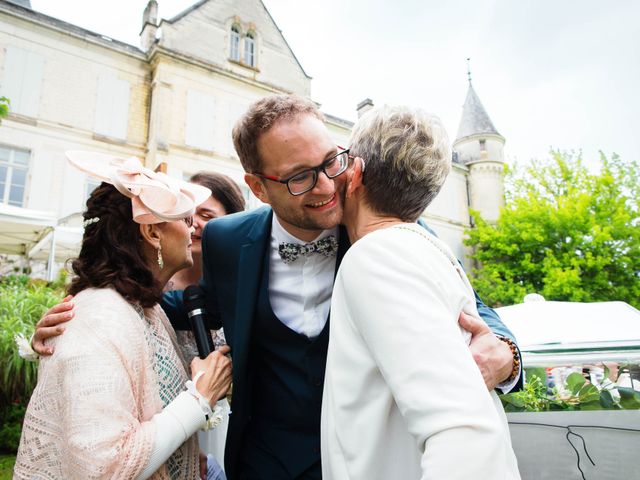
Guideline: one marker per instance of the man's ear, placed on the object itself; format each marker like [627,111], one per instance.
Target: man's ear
[151,234]
[257,187]
[354,178]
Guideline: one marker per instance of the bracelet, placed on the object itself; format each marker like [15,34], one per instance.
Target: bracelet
[515,371]
[213,417]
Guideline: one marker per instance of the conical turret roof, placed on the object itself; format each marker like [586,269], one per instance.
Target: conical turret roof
[475,119]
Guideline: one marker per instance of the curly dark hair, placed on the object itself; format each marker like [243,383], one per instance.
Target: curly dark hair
[223,189]
[112,253]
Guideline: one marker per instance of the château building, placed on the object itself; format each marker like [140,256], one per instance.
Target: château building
[171,101]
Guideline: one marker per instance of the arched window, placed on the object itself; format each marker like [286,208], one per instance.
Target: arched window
[234,51]
[250,49]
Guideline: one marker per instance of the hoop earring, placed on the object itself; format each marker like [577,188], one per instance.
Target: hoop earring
[160,260]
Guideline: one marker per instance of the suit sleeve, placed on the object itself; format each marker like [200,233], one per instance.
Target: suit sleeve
[406,314]
[207,282]
[173,307]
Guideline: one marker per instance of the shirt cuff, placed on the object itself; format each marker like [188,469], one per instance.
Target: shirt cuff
[506,387]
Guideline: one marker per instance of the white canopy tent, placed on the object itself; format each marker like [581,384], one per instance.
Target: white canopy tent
[38,235]
[573,331]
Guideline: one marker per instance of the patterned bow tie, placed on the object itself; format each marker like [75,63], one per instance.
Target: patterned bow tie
[327,246]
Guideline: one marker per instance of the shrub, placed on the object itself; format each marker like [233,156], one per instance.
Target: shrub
[10,427]
[22,303]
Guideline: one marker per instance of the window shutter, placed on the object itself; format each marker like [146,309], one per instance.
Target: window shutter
[22,80]
[112,107]
[200,127]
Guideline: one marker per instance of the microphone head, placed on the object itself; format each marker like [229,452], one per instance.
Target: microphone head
[193,298]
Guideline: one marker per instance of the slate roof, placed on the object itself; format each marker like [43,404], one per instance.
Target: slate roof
[22,3]
[340,121]
[475,120]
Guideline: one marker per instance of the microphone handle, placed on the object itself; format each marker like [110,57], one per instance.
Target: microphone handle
[204,342]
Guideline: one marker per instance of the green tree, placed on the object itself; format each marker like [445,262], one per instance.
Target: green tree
[565,232]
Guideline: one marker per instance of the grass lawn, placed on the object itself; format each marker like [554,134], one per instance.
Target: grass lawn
[6,466]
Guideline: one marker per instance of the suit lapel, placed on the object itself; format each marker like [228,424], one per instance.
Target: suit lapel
[250,264]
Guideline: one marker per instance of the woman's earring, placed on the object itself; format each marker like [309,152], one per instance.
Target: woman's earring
[160,261]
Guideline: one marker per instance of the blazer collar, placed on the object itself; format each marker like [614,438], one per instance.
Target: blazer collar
[250,264]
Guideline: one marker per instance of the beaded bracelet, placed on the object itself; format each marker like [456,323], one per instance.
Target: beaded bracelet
[516,358]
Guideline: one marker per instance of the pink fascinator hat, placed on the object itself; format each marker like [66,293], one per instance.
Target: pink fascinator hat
[155,197]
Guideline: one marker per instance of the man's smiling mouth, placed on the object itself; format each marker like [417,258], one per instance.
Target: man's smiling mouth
[322,203]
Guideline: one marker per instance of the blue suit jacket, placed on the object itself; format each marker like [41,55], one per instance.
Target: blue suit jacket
[233,249]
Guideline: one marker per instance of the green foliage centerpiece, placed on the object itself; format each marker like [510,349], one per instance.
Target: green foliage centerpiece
[576,394]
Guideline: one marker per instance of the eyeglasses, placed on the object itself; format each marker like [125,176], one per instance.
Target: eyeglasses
[306,180]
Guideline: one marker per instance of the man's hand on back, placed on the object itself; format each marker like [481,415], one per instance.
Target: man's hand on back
[50,325]
[493,356]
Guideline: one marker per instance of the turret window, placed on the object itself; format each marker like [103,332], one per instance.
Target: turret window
[234,52]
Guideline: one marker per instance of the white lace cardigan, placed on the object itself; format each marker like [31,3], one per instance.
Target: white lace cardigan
[90,414]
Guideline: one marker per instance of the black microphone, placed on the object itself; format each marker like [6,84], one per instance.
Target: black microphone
[194,303]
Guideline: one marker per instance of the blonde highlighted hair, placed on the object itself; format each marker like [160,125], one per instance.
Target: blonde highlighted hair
[407,156]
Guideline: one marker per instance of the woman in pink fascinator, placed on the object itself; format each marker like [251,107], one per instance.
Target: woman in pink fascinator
[116,400]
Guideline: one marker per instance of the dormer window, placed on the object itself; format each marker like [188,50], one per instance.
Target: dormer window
[249,49]
[243,43]
[234,52]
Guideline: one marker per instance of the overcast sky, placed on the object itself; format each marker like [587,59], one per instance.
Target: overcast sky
[550,73]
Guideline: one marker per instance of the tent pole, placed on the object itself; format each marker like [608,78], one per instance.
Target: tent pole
[52,255]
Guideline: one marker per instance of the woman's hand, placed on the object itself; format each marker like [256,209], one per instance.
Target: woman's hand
[215,382]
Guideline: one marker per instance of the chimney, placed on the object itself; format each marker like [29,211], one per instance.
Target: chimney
[364,106]
[149,25]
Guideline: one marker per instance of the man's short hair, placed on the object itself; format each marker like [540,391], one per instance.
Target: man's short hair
[407,157]
[260,117]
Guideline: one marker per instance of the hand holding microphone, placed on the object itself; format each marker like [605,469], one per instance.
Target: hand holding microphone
[216,380]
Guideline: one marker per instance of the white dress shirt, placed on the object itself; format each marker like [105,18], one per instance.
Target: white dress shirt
[300,292]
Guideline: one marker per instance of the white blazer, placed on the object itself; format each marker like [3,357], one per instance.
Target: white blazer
[403,398]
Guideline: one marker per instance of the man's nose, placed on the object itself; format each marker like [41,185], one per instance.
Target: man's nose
[324,184]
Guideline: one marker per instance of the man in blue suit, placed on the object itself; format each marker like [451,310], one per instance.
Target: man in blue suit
[268,276]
